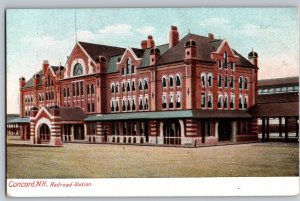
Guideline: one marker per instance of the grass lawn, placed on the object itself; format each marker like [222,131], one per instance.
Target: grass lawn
[99,161]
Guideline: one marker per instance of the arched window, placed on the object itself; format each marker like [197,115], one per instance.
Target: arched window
[112,106]
[141,104]
[164,102]
[240,82]
[171,103]
[240,102]
[88,89]
[92,89]
[128,66]
[178,81]
[225,81]
[112,88]
[65,94]
[171,81]
[40,98]
[146,106]
[123,105]
[231,101]
[117,105]
[203,100]
[123,71]
[245,102]
[117,88]
[145,84]
[219,80]
[32,99]
[123,87]
[164,82]
[128,86]
[68,92]
[133,86]
[220,101]
[128,105]
[210,101]
[225,101]
[246,83]
[140,85]
[225,59]
[209,80]
[203,79]
[77,69]
[133,104]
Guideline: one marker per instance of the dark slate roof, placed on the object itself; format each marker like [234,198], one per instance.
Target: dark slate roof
[29,83]
[287,81]
[138,52]
[72,114]
[19,120]
[146,57]
[169,115]
[112,63]
[204,47]
[276,105]
[95,50]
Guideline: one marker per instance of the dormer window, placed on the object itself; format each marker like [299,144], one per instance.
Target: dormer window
[77,69]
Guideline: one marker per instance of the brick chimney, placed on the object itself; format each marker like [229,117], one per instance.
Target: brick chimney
[45,66]
[173,37]
[36,79]
[22,81]
[150,42]
[144,44]
[211,36]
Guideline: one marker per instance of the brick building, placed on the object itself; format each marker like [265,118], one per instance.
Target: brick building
[190,91]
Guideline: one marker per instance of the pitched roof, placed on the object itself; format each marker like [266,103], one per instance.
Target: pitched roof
[146,56]
[277,98]
[95,50]
[72,114]
[204,47]
[279,82]
[29,83]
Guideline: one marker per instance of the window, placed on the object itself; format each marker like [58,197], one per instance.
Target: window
[141,104]
[245,102]
[68,92]
[225,59]
[219,81]
[203,79]
[231,81]
[128,86]
[140,85]
[171,103]
[89,107]
[81,87]
[178,101]
[164,82]
[232,102]
[73,88]
[225,81]
[232,66]
[128,105]
[77,88]
[123,71]
[246,83]
[133,86]
[112,106]
[123,105]
[88,89]
[209,102]
[133,104]
[77,69]
[117,105]
[112,88]
[145,84]
[132,69]
[209,80]
[117,88]
[240,82]
[202,100]
[164,102]
[225,101]
[220,101]
[128,66]
[93,107]
[123,87]
[146,106]
[240,102]
[178,81]
[92,89]
[171,81]
[220,64]
[65,94]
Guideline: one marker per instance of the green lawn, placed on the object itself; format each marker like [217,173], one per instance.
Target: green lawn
[99,161]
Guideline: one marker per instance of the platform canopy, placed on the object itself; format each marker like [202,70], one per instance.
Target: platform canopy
[169,115]
[19,120]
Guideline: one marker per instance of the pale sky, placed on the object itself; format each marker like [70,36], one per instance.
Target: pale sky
[35,35]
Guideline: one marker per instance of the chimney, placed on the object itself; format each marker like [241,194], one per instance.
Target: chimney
[22,81]
[36,79]
[154,55]
[150,42]
[144,44]
[45,66]
[211,36]
[173,37]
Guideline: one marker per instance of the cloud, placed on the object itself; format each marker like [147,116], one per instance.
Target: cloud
[117,29]
[84,35]
[146,30]
[215,22]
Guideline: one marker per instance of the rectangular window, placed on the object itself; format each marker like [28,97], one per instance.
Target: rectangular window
[171,103]
[231,81]
[164,102]
[220,64]
[232,66]
[219,81]
[178,102]
[81,87]
[73,88]
[77,88]
[220,101]
[232,102]
[225,81]
[226,102]
[209,102]
[203,100]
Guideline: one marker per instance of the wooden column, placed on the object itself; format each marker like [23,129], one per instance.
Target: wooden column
[263,129]
[268,130]
[297,127]
[280,127]
[286,136]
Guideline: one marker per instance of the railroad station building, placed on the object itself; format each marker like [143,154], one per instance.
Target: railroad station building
[191,91]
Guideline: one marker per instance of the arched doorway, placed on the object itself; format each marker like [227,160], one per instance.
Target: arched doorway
[172,132]
[44,134]
[225,131]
